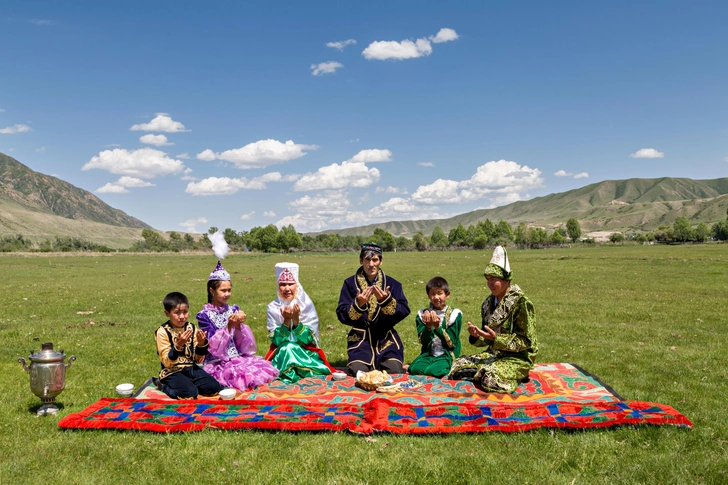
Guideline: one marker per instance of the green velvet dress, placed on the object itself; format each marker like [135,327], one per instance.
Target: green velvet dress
[296,354]
[507,360]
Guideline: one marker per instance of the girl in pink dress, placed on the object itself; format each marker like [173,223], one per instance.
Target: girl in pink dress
[231,355]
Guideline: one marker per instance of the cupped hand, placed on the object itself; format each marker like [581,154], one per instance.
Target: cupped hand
[183,338]
[381,294]
[362,297]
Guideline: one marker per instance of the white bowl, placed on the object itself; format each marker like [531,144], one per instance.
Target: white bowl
[125,390]
[227,394]
[339,376]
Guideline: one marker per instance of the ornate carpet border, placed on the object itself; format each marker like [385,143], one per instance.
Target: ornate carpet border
[380,415]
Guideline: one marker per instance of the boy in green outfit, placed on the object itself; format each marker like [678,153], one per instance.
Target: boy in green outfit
[438,328]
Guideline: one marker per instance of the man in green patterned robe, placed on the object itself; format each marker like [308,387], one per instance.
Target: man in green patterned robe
[508,334]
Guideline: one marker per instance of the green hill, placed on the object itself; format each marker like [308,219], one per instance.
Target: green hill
[612,205]
[39,207]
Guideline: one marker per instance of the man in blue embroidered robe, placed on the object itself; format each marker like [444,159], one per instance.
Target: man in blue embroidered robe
[372,303]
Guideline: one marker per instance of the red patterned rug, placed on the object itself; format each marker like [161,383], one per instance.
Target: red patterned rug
[557,396]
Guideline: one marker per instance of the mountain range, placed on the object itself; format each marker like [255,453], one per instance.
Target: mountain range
[40,206]
[632,205]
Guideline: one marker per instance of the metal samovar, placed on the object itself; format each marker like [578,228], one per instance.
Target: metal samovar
[47,376]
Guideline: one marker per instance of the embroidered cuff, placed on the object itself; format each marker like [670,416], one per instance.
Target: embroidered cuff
[389,305]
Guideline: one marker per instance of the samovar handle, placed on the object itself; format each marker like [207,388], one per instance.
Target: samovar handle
[25,365]
[70,360]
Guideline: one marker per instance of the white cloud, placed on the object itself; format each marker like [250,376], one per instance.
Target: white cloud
[647,153]
[120,186]
[126,181]
[269,214]
[41,22]
[340,44]
[11,130]
[184,156]
[112,189]
[227,185]
[426,164]
[563,173]
[2,110]
[206,155]
[444,35]
[40,149]
[407,49]
[163,123]
[157,140]
[191,224]
[492,180]
[354,140]
[247,216]
[391,190]
[259,154]
[372,155]
[320,211]
[331,203]
[395,206]
[438,192]
[335,176]
[725,159]
[112,145]
[390,49]
[188,178]
[145,163]
[325,68]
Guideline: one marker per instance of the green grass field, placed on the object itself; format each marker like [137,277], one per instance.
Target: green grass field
[649,321]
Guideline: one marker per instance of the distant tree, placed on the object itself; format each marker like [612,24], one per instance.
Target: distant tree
[458,236]
[189,241]
[504,230]
[573,228]
[236,240]
[438,238]
[702,232]
[288,238]
[536,236]
[520,235]
[720,229]
[264,238]
[384,239]
[557,237]
[154,241]
[616,237]
[488,229]
[480,242]
[420,241]
[204,242]
[682,232]
[212,230]
[403,243]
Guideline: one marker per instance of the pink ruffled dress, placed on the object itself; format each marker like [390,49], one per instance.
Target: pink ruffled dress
[231,358]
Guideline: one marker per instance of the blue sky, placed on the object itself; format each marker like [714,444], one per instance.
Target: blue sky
[326,115]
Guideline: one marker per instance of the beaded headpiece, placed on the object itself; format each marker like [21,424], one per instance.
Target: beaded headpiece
[219,273]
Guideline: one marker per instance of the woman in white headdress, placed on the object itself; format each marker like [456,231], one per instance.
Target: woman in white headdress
[292,324]
[507,333]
